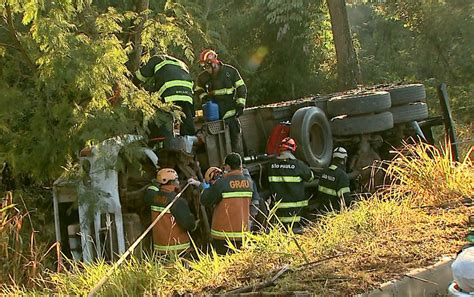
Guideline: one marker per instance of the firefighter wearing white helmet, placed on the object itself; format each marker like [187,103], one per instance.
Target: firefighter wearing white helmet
[170,234]
[333,188]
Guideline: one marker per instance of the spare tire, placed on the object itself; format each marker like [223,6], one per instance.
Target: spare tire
[407,93]
[367,102]
[345,126]
[312,132]
[409,112]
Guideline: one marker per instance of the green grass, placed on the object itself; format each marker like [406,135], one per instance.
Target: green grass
[379,238]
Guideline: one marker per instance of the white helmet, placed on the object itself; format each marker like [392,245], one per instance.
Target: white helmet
[339,152]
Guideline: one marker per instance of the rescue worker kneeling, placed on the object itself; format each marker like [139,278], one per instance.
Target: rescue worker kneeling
[170,234]
[333,189]
[231,195]
[286,177]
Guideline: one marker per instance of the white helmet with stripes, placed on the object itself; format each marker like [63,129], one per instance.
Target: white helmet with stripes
[339,152]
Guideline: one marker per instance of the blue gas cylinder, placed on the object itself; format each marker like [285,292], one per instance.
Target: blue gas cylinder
[211,111]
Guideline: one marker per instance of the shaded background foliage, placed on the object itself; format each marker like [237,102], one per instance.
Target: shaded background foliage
[63,61]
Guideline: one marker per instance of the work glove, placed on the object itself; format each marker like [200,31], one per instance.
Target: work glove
[239,110]
[205,185]
[194,182]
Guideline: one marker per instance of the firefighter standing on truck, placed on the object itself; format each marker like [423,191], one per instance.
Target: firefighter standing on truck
[231,197]
[170,78]
[170,234]
[333,188]
[286,176]
[223,84]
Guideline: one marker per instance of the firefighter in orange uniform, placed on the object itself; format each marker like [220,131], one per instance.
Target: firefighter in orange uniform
[170,234]
[231,195]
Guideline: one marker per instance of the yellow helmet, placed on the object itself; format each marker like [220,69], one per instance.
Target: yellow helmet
[165,175]
[212,174]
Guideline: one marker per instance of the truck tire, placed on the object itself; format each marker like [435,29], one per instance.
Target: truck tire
[312,132]
[364,124]
[366,102]
[409,112]
[407,93]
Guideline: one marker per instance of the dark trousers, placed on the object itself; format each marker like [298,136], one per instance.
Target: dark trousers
[187,125]
[235,132]
[221,248]
[161,125]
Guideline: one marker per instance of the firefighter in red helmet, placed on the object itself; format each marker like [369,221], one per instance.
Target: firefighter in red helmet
[286,177]
[223,84]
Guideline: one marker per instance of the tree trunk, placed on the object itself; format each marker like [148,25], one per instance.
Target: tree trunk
[135,55]
[348,70]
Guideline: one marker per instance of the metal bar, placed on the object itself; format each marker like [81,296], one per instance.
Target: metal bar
[448,120]
[57,227]
[418,130]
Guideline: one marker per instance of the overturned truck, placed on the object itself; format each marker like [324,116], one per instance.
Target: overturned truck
[101,212]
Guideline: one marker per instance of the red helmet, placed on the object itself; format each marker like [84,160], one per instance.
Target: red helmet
[288,144]
[208,56]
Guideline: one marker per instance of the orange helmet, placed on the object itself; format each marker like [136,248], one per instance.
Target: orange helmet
[212,174]
[208,56]
[166,175]
[288,144]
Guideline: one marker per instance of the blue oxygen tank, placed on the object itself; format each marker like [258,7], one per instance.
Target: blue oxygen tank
[211,111]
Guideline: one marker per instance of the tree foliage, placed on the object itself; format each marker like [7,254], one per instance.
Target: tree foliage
[64,80]
[63,65]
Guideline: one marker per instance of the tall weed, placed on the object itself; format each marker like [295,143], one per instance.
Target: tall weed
[428,176]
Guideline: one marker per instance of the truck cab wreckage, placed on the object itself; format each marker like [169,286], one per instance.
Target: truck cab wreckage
[101,212]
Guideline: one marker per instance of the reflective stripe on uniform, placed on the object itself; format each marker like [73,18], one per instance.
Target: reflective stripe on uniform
[328,191]
[174,98]
[159,208]
[198,88]
[342,191]
[237,194]
[168,62]
[227,91]
[153,188]
[229,113]
[203,95]
[225,234]
[239,83]
[292,204]
[177,247]
[333,167]
[284,179]
[175,83]
[293,219]
[241,101]
[140,76]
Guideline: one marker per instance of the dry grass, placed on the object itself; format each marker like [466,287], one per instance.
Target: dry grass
[428,176]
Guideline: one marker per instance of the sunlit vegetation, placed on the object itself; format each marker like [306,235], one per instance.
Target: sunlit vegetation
[412,223]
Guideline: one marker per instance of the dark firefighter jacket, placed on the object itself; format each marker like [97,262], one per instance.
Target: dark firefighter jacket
[171,78]
[170,233]
[333,187]
[227,89]
[231,196]
[286,177]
